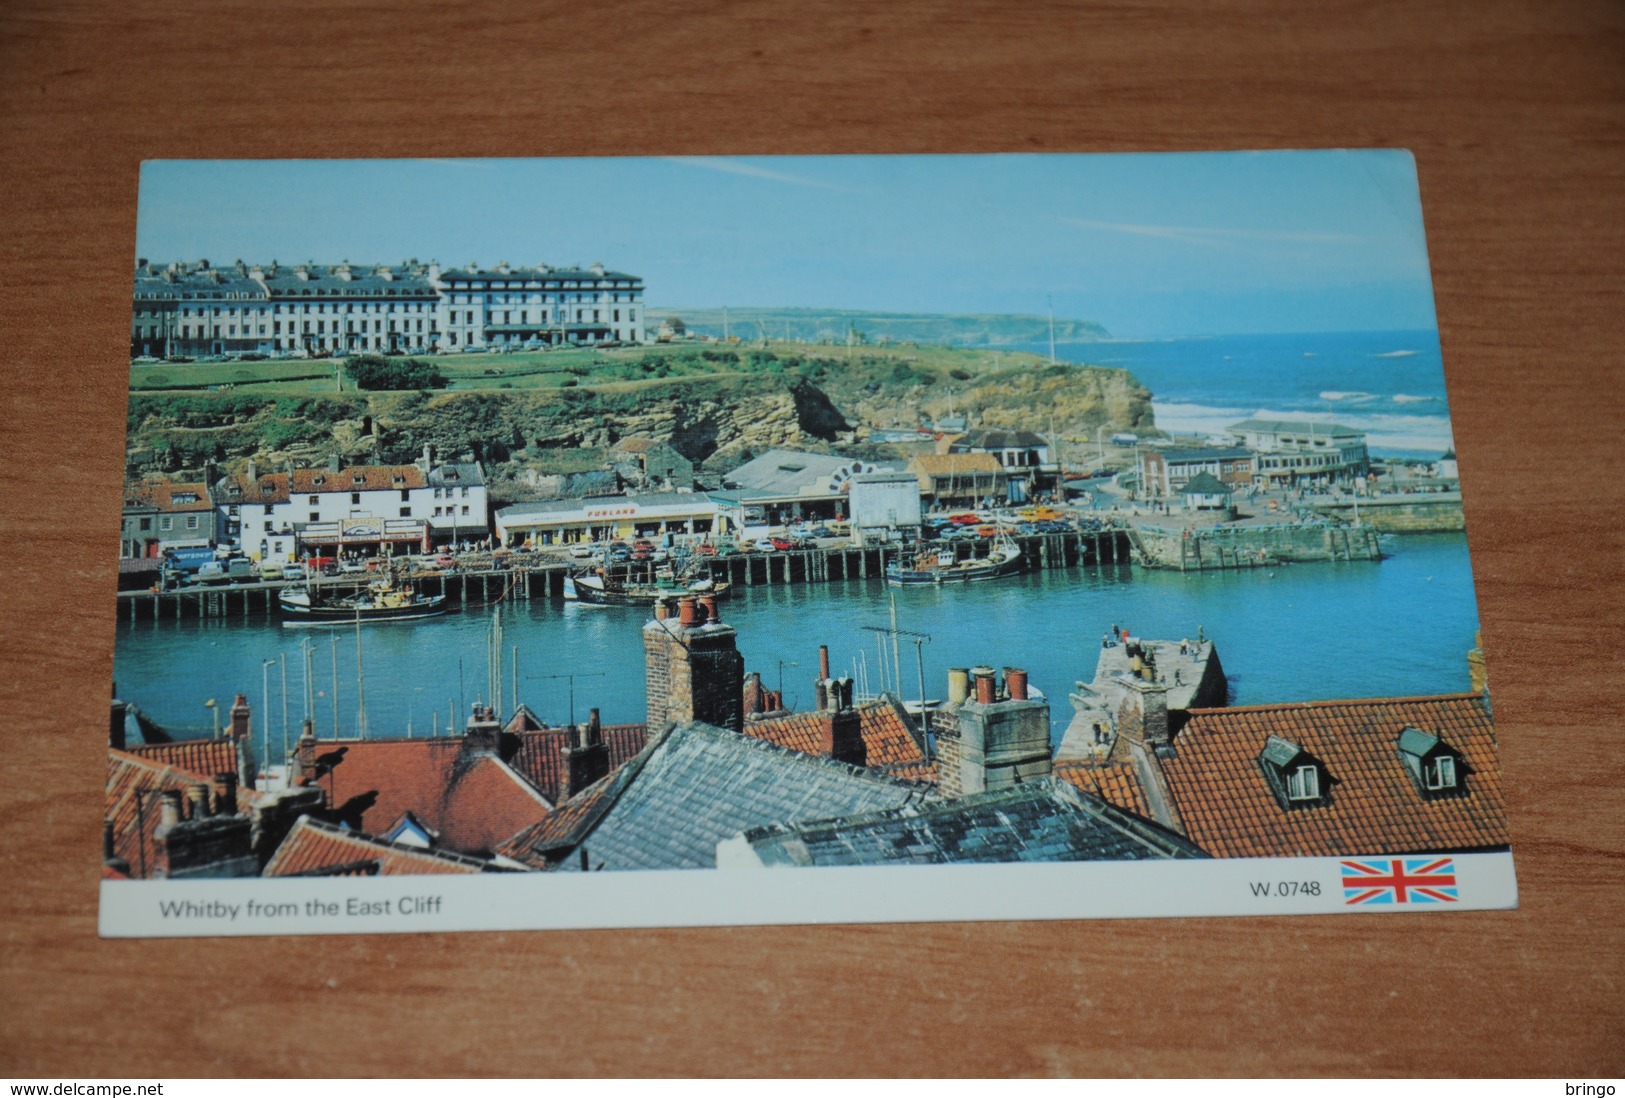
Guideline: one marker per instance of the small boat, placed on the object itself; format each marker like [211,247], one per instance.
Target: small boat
[599,589]
[934,566]
[384,599]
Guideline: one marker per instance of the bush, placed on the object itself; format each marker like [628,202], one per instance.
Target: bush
[378,372]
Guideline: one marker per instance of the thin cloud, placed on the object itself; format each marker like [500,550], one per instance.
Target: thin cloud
[738,167]
[1212,237]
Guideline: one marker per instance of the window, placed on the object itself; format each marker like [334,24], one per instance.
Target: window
[146,524]
[1303,784]
[355,497]
[1441,773]
[314,500]
[465,508]
[406,512]
[166,523]
[406,495]
[191,522]
[315,516]
[267,526]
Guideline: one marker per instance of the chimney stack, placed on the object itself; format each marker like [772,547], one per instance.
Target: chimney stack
[987,743]
[693,673]
[840,727]
[754,701]
[586,760]
[225,794]
[240,719]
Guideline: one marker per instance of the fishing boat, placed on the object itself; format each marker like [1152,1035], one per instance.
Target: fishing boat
[384,599]
[598,588]
[936,566]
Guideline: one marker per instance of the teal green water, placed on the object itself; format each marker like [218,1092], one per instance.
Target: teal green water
[1294,633]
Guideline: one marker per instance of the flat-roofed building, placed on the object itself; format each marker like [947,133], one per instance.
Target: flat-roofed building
[787,486]
[1293,450]
[606,518]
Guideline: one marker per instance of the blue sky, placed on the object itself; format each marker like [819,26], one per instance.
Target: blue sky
[1149,245]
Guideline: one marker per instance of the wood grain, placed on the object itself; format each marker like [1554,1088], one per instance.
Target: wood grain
[1514,111]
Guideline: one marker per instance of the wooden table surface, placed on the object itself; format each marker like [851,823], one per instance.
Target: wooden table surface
[1514,111]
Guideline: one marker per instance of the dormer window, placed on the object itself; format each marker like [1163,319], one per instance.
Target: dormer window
[1434,766]
[1296,778]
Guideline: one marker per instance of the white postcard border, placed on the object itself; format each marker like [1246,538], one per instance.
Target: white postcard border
[680,898]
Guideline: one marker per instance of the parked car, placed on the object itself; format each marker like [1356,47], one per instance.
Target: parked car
[352,568]
[270,571]
[581,551]
[293,570]
[782,543]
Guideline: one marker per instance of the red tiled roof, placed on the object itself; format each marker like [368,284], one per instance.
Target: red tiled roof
[540,757]
[887,742]
[1116,783]
[557,827]
[134,780]
[1372,807]
[472,801]
[373,478]
[162,495]
[280,487]
[313,847]
[205,758]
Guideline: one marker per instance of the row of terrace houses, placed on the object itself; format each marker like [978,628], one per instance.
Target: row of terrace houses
[195,309]
[719,775]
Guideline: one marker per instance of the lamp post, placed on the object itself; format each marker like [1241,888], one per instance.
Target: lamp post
[214,715]
[265,704]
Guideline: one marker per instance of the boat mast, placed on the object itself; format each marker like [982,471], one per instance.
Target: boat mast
[360,681]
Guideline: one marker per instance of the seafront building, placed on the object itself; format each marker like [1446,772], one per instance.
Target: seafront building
[193,309]
[364,509]
[1291,450]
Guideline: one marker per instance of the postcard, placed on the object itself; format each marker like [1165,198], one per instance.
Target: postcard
[624,542]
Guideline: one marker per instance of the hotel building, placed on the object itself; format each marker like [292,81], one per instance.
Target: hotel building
[197,309]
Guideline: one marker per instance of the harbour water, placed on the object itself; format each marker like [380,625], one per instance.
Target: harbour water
[1291,633]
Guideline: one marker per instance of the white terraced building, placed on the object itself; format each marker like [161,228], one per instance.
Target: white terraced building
[194,309]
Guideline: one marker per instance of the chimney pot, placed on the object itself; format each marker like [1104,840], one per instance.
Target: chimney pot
[169,808]
[662,610]
[823,661]
[958,685]
[198,795]
[986,687]
[686,611]
[1015,680]
[708,604]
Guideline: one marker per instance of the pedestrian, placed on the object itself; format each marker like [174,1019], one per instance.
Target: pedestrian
[1184,646]
[1116,634]
[1105,640]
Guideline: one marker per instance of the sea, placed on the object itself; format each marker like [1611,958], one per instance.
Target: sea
[1391,385]
[1398,627]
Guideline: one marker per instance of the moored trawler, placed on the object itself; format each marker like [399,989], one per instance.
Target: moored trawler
[384,599]
[598,589]
[934,566]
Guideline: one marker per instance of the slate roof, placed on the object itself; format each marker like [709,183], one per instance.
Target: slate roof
[1117,783]
[135,777]
[889,745]
[540,757]
[474,801]
[1205,484]
[576,274]
[1228,453]
[694,786]
[790,473]
[453,474]
[1371,807]
[313,848]
[1295,427]
[1045,821]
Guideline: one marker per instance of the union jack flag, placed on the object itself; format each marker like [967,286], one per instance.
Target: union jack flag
[1400,881]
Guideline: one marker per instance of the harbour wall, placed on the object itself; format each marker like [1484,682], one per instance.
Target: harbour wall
[1424,514]
[1218,547]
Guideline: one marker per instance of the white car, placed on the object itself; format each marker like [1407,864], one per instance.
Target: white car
[580,551]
